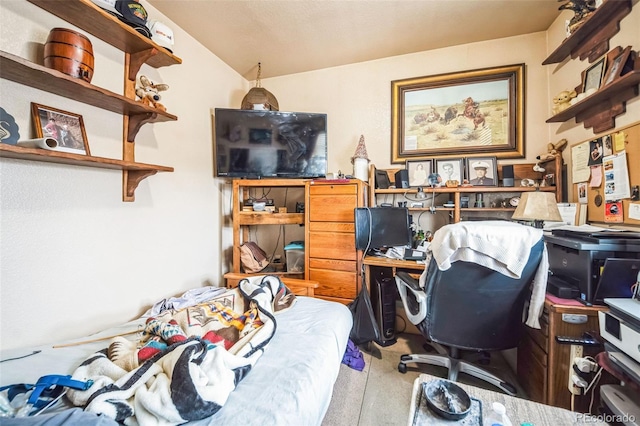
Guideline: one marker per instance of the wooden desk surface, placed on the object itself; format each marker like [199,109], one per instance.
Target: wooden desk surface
[519,410]
[392,263]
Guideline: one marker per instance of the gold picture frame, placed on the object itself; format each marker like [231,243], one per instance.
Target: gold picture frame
[478,112]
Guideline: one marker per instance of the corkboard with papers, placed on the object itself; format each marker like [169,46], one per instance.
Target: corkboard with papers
[612,191]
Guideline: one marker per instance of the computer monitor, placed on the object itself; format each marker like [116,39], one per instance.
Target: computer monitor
[617,279]
[382,227]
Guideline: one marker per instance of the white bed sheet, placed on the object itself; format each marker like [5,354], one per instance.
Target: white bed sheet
[291,384]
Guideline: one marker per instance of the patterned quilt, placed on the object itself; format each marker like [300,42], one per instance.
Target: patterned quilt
[188,361]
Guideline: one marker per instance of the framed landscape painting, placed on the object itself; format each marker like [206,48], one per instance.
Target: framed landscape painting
[478,112]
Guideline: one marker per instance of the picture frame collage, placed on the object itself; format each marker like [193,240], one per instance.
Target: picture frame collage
[606,69]
[458,171]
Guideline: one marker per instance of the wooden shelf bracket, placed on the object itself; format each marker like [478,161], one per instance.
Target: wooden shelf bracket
[130,181]
[136,122]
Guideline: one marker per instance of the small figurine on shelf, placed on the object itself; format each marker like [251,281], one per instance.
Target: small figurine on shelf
[563,101]
[582,9]
[148,92]
[360,161]
[553,150]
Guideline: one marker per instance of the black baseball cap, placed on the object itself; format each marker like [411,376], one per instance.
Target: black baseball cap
[133,14]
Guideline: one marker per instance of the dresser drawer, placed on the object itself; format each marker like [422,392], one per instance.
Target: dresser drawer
[532,369]
[539,336]
[332,203]
[333,264]
[332,190]
[339,284]
[329,245]
[348,227]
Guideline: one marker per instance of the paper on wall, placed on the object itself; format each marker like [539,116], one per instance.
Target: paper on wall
[634,211]
[580,162]
[569,214]
[616,177]
[618,140]
[596,176]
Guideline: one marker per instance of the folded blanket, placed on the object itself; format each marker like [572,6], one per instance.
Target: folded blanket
[196,357]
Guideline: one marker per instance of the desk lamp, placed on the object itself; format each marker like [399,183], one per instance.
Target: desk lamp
[537,207]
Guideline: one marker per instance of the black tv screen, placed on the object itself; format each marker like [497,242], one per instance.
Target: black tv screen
[256,144]
[382,227]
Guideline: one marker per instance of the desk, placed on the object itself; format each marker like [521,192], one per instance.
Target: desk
[519,410]
[383,296]
[392,264]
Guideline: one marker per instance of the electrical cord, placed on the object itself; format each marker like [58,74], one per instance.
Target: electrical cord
[595,380]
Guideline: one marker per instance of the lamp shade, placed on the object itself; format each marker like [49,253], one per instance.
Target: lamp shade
[259,98]
[538,206]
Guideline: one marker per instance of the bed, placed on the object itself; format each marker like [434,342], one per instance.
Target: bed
[290,382]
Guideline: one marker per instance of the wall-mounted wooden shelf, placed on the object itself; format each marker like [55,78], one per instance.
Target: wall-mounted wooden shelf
[601,108]
[135,172]
[37,154]
[90,18]
[21,71]
[138,50]
[592,38]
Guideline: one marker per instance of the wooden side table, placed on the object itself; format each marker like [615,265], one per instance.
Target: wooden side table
[544,365]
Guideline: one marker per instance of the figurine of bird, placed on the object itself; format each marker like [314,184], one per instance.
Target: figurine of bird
[581,9]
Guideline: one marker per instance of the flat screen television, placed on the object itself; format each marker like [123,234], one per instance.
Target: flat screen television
[382,227]
[257,144]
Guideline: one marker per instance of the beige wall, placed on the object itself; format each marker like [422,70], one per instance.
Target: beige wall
[358,97]
[74,259]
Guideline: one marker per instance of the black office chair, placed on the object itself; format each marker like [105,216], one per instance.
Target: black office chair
[467,307]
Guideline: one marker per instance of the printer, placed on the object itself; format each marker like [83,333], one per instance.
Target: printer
[620,328]
[577,258]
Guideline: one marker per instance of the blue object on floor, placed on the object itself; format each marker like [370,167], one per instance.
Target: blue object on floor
[353,357]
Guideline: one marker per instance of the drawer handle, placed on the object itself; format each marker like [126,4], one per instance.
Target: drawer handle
[574,318]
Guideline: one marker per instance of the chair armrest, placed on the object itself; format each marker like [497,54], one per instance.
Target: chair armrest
[405,282]
[412,283]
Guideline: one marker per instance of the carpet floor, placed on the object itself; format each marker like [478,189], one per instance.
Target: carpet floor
[381,395]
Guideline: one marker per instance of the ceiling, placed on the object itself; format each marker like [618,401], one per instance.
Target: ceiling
[292,36]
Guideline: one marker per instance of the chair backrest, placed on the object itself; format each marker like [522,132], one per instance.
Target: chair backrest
[470,306]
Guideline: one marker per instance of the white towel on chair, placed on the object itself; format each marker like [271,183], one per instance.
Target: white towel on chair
[499,245]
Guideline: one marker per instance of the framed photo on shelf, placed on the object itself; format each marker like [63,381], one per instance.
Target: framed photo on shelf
[593,75]
[478,112]
[616,67]
[419,172]
[450,169]
[482,171]
[65,127]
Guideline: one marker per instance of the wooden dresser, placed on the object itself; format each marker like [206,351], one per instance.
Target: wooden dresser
[330,255]
[544,364]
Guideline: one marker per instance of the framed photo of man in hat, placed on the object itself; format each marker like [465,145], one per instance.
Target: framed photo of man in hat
[483,171]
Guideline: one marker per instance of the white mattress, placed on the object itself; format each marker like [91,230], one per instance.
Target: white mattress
[291,384]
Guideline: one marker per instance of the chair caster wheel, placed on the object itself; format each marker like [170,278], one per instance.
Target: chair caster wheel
[402,368]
